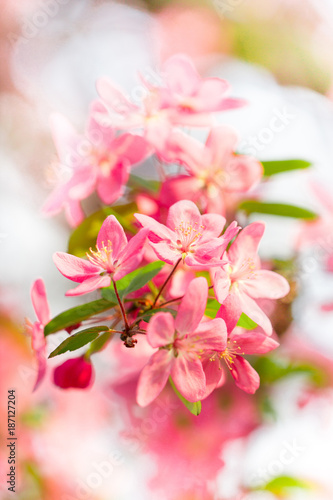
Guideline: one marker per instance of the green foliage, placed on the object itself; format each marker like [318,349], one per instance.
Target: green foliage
[212,307]
[272,370]
[280,209]
[85,235]
[133,281]
[246,322]
[281,486]
[77,314]
[194,408]
[78,340]
[100,343]
[277,167]
[144,184]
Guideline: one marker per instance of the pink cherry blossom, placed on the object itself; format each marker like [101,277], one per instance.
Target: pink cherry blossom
[113,258]
[99,160]
[184,98]
[36,329]
[239,342]
[188,235]
[181,343]
[244,279]
[76,373]
[214,169]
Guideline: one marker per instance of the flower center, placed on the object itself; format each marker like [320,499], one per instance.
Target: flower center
[102,257]
[243,272]
[228,355]
[188,235]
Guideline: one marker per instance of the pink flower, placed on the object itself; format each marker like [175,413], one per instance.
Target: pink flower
[188,235]
[99,161]
[113,259]
[239,342]
[184,98]
[74,373]
[215,170]
[36,329]
[181,343]
[243,279]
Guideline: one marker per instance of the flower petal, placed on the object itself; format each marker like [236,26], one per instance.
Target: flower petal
[230,311]
[189,377]
[246,244]
[253,342]
[222,283]
[245,376]
[183,213]
[213,226]
[154,376]
[89,285]
[221,141]
[210,335]
[39,302]
[180,75]
[111,187]
[253,311]
[192,306]
[266,284]
[161,330]
[157,231]
[112,231]
[215,376]
[74,268]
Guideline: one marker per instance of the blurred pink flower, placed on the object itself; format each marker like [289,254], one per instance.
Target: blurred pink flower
[188,235]
[100,160]
[181,343]
[36,329]
[184,99]
[114,258]
[214,169]
[76,373]
[243,279]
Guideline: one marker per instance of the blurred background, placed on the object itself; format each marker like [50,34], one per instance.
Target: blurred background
[277,54]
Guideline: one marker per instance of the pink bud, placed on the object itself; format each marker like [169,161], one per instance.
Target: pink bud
[74,373]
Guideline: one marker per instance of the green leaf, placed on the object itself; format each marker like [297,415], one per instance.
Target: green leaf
[133,281]
[85,235]
[146,184]
[281,485]
[277,167]
[77,315]
[78,340]
[212,307]
[194,408]
[281,209]
[246,322]
[100,343]
[272,370]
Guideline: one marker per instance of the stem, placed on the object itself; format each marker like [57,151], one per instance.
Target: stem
[121,306]
[166,282]
[171,300]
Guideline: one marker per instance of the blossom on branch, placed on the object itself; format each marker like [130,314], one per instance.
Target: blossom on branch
[113,258]
[188,235]
[181,344]
[244,279]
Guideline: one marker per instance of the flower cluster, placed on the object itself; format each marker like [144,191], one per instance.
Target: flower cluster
[186,236]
